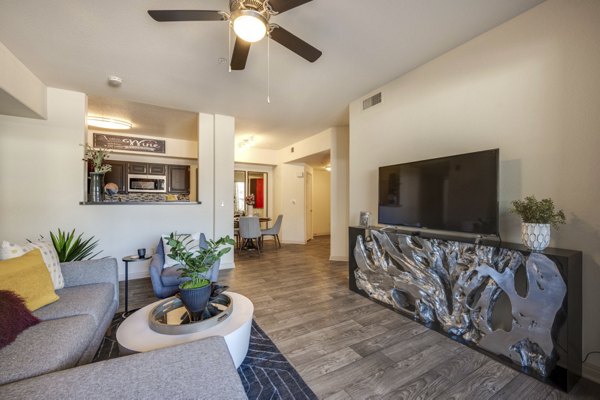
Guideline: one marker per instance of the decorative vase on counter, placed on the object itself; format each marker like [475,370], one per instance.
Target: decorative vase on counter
[96,187]
[535,236]
[249,210]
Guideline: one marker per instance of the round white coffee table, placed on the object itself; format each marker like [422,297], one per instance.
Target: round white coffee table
[135,335]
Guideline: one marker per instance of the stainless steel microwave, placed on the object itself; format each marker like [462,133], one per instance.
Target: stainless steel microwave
[147,183]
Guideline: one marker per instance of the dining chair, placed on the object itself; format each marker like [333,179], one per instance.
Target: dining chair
[273,231]
[249,232]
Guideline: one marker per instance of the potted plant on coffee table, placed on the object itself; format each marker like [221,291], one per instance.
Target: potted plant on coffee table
[537,216]
[195,263]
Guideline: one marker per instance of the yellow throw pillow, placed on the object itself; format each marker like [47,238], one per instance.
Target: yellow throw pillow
[29,278]
[10,250]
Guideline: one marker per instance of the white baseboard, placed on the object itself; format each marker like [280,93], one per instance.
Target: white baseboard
[591,372]
[293,242]
[338,258]
[230,265]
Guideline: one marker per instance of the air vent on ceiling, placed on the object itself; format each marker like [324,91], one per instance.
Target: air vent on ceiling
[372,101]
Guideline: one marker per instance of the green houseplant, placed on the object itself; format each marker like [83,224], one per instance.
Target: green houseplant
[537,217]
[73,248]
[195,263]
[97,157]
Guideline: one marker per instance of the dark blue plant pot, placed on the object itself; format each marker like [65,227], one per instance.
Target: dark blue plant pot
[195,300]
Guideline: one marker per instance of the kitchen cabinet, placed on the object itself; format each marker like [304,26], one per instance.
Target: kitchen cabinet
[118,175]
[178,179]
[138,168]
[147,169]
[157,169]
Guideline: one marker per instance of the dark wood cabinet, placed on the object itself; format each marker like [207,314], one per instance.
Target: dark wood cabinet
[157,169]
[138,168]
[178,179]
[118,175]
[147,169]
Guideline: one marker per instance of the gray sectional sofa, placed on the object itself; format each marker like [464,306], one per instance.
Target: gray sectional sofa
[51,359]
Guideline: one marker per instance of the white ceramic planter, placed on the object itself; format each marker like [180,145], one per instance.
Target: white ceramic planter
[535,236]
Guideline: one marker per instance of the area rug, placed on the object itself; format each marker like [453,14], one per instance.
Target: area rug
[265,372]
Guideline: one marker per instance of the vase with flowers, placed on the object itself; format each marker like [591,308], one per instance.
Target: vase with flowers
[250,201]
[96,158]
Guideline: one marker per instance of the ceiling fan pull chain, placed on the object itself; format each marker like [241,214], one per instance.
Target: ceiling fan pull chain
[269,69]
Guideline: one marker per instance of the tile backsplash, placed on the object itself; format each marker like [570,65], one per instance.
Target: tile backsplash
[144,197]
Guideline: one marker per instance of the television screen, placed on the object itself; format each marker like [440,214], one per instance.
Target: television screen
[456,193]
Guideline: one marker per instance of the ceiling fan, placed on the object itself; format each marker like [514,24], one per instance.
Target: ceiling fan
[250,20]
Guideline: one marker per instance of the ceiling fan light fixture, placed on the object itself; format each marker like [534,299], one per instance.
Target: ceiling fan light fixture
[249,25]
[108,123]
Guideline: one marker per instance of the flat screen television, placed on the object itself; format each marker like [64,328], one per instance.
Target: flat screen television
[457,193]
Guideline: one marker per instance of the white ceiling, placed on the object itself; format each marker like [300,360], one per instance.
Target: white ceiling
[147,119]
[317,160]
[77,44]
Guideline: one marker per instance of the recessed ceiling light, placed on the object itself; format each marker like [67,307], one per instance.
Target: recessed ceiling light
[108,123]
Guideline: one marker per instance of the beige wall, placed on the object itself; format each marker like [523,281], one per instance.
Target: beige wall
[22,94]
[256,155]
[530,87]
[339,194]
[321,202]
[43,178]
[307,147]
[289,201]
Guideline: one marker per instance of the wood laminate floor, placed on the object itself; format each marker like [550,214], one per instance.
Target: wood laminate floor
[347,347]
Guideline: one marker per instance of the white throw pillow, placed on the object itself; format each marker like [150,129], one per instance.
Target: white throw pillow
[192,245]
[11,250]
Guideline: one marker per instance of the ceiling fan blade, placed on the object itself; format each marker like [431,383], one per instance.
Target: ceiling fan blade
[295,44]
[186,15]
[240,54]
[284,5]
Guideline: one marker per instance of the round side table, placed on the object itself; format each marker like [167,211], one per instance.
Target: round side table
[127,260]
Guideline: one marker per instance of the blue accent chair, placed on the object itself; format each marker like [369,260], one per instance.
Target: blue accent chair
[166,281]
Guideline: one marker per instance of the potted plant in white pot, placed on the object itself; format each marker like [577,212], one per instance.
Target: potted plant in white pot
[196,263]
[537,217]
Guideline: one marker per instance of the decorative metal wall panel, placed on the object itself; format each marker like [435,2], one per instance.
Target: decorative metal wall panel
[458,285]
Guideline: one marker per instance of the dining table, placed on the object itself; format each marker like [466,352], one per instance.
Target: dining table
[261,220]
